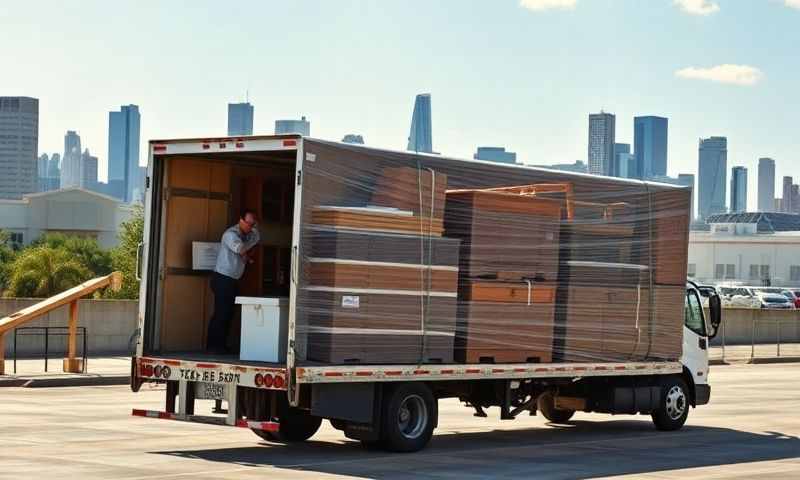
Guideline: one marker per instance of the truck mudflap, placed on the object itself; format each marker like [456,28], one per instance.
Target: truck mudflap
[207,419]
[702,394]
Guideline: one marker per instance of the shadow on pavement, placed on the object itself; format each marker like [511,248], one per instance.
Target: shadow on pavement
[578,450]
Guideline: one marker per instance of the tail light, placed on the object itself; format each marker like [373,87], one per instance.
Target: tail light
[259,380]
[157,371]
[278,383]
[268,381]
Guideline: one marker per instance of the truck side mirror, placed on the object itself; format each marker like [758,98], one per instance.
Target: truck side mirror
[715,312]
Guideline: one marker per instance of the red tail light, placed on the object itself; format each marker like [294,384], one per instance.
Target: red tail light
[278,383]
[259,380]
[268,380]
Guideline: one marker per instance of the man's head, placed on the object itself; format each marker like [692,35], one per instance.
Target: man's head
[247,220]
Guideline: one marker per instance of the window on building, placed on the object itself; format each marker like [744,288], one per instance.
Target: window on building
[753,272]
[764,272]
[730,271]
[794,273]
[692,270]
[16,239]
[719,271]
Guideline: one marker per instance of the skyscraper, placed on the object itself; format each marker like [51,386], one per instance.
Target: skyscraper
[601,143]
[712,168]
[687,179]
[786,204]
[240,119]
[302,127]
[123,152]
[54,172]
[495,154]
[738,189]
[41,170]
[71,161]
[766,185]
[624,161]
[353,138]
[19,146]
[650,145]
[420,138]
[88,171]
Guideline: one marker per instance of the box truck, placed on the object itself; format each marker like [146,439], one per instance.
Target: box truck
[384,281]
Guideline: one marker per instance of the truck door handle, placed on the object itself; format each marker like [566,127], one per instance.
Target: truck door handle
[702,343]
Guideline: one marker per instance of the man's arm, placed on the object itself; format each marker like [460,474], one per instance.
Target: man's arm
[232,242]
[252,239]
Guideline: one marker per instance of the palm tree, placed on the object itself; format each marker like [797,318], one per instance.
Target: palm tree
[45,271]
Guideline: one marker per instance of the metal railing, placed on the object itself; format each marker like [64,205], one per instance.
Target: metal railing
[46,332]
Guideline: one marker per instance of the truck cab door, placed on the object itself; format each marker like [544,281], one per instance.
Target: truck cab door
[695,338]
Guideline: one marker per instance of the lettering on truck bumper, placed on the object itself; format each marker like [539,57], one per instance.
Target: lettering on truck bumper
[162,369]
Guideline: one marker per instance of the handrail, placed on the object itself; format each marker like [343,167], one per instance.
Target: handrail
[71,296]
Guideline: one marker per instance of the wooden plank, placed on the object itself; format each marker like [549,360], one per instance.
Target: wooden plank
[2,353]
[72,364]
[114,280]
[516,292]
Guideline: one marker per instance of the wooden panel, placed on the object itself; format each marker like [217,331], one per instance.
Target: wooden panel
[220,177]
[183,317]
[405,187]
[516,292]
[376,221]
[187,221]
[381,277]
[189,173]
[671,236]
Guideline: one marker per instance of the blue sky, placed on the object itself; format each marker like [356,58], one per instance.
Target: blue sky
[499,72]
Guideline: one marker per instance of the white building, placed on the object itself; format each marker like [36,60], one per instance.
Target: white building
[747,248]
[72,211]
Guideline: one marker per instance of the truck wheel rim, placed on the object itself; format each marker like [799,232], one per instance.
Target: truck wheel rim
[676,402]
[412,416]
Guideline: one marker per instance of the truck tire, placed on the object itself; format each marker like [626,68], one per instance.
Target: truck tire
[295,426]
[408,417]
[546,404]
[674,405]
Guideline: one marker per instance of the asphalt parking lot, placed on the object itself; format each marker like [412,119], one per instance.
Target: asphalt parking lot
[749,430]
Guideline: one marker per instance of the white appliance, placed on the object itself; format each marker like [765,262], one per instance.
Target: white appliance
[265,322]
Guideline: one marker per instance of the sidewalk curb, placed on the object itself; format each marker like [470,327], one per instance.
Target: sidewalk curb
[72,381]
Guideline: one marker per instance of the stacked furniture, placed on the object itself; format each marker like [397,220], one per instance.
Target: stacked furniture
[382,281]
[507,271]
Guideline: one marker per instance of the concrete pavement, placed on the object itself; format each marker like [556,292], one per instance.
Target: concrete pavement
[749,430]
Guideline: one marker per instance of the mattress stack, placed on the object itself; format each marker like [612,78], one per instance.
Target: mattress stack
[509,263]
[381,280]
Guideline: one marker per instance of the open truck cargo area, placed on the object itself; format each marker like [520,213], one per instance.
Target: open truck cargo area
[384,281]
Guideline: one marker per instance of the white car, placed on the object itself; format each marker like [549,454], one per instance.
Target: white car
[774,300]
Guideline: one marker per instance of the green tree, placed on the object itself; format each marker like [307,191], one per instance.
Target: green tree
[7,255]
[43,271]
[123,256]
[85,250]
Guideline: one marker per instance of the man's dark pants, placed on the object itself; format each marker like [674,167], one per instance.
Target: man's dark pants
[224,288]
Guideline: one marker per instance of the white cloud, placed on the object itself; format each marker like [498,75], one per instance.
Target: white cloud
[540,5]
[726,73]
[700,7]
[793,4]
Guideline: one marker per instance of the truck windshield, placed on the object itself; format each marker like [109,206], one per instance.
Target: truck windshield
[693,316]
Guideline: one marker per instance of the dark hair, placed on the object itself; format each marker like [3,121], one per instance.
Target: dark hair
[245,211]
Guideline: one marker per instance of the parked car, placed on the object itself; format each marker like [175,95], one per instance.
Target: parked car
[774,300]
[796,294]
[742,297]
[793,297]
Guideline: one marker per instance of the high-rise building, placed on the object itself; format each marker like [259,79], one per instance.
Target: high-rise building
[41,171]
[88,171]
[738,189]
[240,119]
[601,143]
[786,204]
[54,172]
[650,145]
[123,152]
[795,199]
[19,146]
[687,179]
[495,154]
[353,138]
[302,127]
[766,185]
[420,138]
[712,169]
[71,161]
[624,161]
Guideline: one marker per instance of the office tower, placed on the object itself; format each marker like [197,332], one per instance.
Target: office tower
[240,119]
[302,127]
[786,204]
[420,138]
[71,161]
[687,179]
[795,195]
[712,169]
[41,172]
[123,152]
[19,146]
[738,189]
[353,138]
[88,171]
[495,154]
[54,172]
[766,185]
[624,161]
[601,143]
[650,145]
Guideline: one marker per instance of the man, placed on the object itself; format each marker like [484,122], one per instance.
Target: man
[236,243]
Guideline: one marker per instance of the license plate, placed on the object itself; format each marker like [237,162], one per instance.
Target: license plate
[210,391]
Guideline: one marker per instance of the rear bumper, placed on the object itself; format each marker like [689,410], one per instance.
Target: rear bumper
[161,369]
[252,425]
[702,394]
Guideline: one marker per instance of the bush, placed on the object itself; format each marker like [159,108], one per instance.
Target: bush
[43,271]
[123,256]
